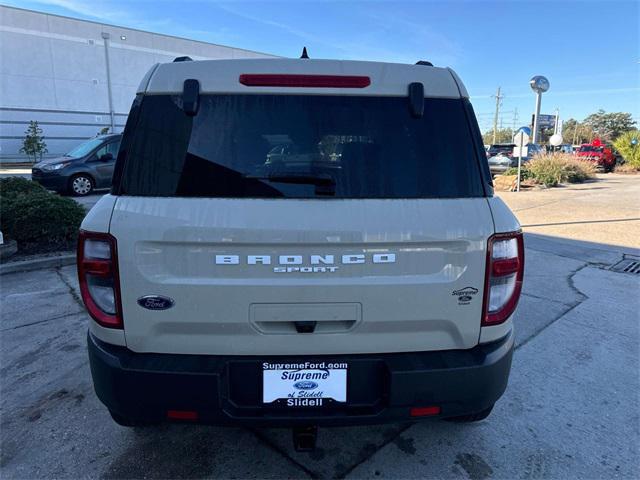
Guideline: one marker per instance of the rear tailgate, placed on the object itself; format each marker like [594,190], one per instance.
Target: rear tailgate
[412,278]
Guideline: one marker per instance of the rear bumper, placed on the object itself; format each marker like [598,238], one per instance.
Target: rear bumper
[498,169]
[227,389]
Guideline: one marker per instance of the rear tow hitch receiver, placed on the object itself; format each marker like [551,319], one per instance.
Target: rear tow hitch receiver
[304,438]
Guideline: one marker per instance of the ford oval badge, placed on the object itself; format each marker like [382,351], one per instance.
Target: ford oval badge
[305,385]
[155,302]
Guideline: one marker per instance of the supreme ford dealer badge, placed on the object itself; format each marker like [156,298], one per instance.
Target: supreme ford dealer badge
[304,384]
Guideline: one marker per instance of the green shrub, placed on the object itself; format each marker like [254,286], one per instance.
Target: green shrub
[555,168]
[546,171]
[627,168]
[524,172]
[629,151]
[577,171]
[13,186]
[38,220]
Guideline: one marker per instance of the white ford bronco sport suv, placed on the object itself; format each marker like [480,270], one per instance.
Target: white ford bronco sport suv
[300,243]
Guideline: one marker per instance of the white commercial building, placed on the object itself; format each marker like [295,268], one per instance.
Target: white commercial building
[76,77]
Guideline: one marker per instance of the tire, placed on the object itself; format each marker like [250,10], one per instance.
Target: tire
[81,185]
[128,422]
[472,417]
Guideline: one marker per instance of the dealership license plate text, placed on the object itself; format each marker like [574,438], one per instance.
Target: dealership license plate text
[304,384]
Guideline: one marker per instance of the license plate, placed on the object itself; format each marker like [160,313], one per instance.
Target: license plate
[305,384]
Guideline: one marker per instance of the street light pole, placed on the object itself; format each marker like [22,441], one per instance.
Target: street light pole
[538,84]
[535,119]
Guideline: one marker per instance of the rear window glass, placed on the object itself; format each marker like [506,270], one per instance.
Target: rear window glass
[299,146]
[501,148]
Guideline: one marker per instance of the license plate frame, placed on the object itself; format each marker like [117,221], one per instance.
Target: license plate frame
[304,384]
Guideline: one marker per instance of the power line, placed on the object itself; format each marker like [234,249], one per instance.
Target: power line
[502,112]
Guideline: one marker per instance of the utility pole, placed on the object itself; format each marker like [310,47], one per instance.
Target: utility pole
[105,39]
[515,118]
[495,118]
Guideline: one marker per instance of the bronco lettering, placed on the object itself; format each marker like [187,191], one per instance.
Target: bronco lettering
[314,259]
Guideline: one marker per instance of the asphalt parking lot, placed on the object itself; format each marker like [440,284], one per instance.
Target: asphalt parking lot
[572,408]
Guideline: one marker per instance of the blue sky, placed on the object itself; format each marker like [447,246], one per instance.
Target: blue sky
[589,51]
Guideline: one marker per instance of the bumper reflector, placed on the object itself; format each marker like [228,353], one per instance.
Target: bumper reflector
[425,411]
[182,414]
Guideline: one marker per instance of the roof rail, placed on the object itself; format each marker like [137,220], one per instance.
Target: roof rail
[183,59]
[425,63]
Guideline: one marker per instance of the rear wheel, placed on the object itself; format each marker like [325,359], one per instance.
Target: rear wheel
[473,417]
[81,185]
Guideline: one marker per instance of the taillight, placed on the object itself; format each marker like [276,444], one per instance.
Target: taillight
[98,277]
[503,278]
[295,80]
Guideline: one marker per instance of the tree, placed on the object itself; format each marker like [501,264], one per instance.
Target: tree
[103,131]
[609,126]
[628,144]
[33,144]
[575,132]
[503,135]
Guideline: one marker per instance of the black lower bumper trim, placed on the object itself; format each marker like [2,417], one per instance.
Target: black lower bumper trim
[228,389]
[53,182]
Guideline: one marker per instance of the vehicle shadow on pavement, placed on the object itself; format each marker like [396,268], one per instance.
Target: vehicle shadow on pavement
[192,451]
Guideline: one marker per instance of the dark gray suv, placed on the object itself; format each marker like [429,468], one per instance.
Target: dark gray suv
[87,167]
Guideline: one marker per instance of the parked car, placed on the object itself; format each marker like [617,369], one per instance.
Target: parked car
[87,167]
[502,157]
[566,148]
[291,156]
[500,148]
[380,291]
[601,154]
[563,148]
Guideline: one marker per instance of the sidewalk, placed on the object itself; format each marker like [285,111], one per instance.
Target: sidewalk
[605,211]
[6,171]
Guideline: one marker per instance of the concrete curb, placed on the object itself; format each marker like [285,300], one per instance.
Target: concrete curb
[38,264]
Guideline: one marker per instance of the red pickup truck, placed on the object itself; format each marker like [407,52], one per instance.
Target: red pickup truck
[598,152]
